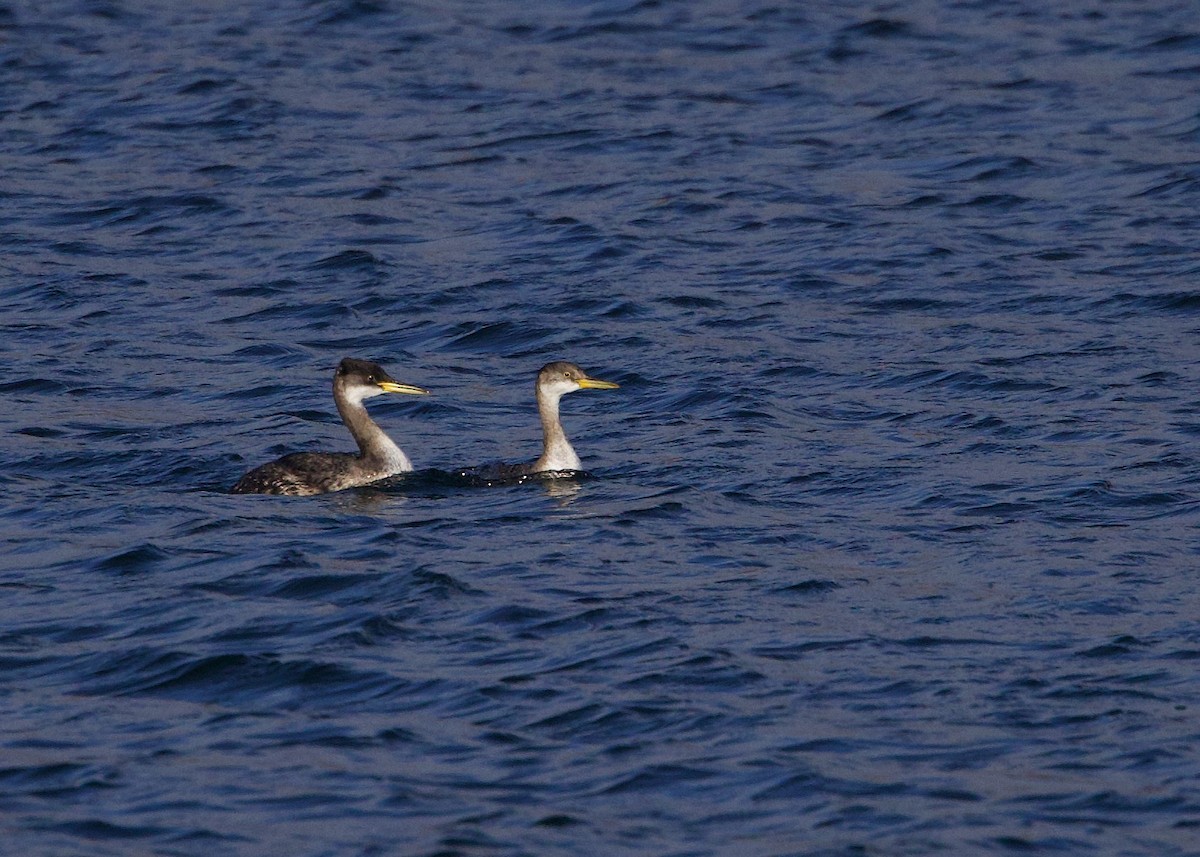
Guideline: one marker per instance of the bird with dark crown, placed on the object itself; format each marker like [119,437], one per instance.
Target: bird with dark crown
[378,457]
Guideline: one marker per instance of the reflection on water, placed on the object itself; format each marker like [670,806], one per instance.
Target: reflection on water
[564,489]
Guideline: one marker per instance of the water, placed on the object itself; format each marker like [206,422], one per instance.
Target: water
[890,540]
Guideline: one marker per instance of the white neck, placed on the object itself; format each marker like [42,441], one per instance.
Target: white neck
[557,452]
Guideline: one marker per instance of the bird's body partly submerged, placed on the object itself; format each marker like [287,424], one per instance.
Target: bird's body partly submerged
[558,456]
[378,457]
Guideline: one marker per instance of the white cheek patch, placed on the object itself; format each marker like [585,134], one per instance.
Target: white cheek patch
[356,394]
[560,388]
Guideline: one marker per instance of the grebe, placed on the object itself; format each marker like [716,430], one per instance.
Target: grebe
[553,382]
[305,473]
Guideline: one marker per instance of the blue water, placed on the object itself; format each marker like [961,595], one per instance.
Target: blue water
[890,541]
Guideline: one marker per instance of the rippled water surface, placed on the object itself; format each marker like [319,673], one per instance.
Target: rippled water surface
[889,543]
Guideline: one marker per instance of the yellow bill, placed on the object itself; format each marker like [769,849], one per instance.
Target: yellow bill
[397,387]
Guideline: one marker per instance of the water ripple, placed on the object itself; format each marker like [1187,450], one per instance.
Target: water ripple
[884,544]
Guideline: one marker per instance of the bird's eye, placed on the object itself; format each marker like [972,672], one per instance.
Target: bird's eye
[370,379]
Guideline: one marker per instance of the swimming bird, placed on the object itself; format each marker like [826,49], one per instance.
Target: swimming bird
[553,382]
[304,473]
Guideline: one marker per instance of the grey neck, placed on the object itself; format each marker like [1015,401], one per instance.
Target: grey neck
[375,447]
